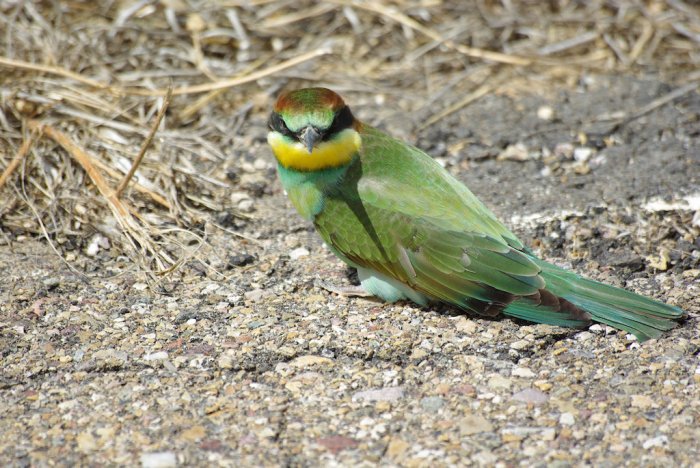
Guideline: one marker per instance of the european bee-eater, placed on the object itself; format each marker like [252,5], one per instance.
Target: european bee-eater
[414,232]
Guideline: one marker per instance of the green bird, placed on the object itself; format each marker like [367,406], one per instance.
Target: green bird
[414,232]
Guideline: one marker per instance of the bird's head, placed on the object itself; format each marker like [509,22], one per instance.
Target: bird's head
[313,129]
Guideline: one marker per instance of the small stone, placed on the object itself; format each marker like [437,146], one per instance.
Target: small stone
[240,260]
[433,403]
[583,154]
[516,434]
[158,356]
[498,381]
[691,273]
[567,419]
[659,262]
[254,296]
[659,441]
[310,360]
[530,395]
[516,152]
[642,401]
[523,372]
[466,326]
[336,443]
[226,361]
[418,353]
[97,242]
[299,252]
[255,324]
[520,345]
[545,113]
[246,206]
[86,442]
[584,336]
[397,448]
[564,151]
[193,434]
[51,283]
[442,389]
[379,394]
[485,458]
[543,385]
[474,424]
[158,460]
[260,164]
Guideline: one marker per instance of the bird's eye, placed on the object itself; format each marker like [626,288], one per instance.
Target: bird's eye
[343,119]
[277,124]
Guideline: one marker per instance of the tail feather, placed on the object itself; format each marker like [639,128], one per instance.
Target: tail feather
[644,317]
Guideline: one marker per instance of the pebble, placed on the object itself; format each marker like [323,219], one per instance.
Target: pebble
[260,164]
[379,394]
[642,401]
[545,113]
[158,356]
[583,154]
[659,441]
[567,419]
[516,152]
[474,424]
[158,460]
[86,442]
[530,395]
[97,242]
[240,260]
[520,345]
[498,381]
[396,448]
[299,252]
[433,403]
[255,295]
[523,372]
[564,151]
[310,360]
[336,443]
[51,282]
[584,336]
[464,325]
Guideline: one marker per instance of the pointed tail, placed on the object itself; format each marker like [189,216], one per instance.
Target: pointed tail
[643,317]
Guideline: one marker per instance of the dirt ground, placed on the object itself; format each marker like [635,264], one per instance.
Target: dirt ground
[239,358]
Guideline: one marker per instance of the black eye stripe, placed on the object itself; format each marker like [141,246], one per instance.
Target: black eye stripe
[277,124]
[343,119]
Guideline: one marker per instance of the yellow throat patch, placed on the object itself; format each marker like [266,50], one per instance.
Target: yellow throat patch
[332,153]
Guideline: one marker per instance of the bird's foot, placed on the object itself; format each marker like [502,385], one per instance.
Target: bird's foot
[347,291]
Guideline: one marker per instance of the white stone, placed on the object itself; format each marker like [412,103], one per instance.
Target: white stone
[298,253]
[158,460]
[158,356]
[545,113]
[567,419]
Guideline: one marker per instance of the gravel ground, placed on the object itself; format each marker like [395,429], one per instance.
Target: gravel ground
[266,368]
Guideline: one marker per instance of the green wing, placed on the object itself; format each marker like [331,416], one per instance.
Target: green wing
[401,214]
[400,178]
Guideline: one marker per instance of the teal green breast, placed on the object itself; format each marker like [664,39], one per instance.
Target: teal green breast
[306,189]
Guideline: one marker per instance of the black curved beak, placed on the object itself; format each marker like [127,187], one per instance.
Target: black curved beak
[310,136]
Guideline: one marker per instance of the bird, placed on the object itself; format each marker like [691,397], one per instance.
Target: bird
[414,232]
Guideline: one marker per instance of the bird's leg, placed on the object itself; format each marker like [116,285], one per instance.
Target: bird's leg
[347,291]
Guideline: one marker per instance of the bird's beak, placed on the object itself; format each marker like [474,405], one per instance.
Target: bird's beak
[310,136]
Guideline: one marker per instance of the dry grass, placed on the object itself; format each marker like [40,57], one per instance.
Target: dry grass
[82,83]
